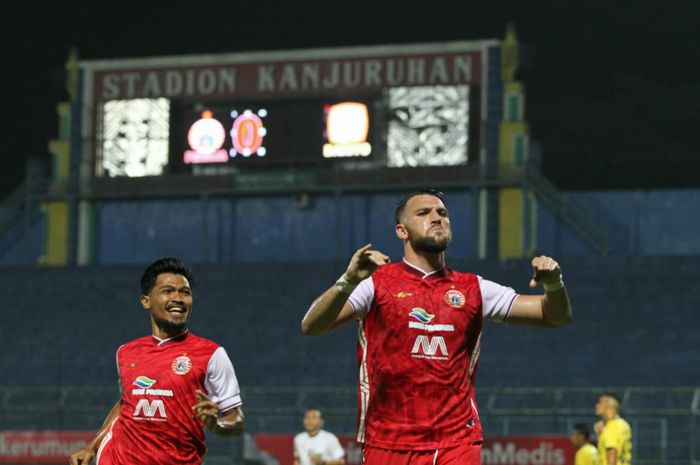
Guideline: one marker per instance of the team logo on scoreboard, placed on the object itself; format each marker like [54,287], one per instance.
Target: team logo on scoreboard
[454,298]
[247,133]
[182,365]
[347,126]
[206,138]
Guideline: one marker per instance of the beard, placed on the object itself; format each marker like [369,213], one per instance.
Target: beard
[429,244]
[169,326]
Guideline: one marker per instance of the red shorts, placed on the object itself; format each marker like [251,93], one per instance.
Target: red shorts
[465,454]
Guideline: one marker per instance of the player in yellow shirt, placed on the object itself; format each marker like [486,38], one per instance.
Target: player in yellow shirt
[586,453]
[614,433]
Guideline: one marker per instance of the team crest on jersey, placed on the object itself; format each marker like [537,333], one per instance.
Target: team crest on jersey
[182,365]
[454,298]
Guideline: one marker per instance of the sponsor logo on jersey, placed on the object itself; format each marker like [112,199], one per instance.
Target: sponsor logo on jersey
[454,298]
[402,295]
[182,365]
[150,410]
[433,348]
[430,328]
[421,315]
[144,382]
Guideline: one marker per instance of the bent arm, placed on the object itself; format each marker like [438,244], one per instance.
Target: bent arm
[230,423]
[85,455]
[551,310]
[328,312]
[331,309]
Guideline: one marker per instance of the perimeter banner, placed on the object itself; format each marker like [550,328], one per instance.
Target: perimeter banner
[510,450]
[41,446]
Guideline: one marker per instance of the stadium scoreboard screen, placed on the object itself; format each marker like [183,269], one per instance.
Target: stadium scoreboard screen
[363,109]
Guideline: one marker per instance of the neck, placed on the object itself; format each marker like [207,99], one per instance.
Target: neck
[424,260]
[607,416]
[314,432]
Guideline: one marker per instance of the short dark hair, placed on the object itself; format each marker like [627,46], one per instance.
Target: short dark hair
[614,397]
[308,409]
[584,430]
[164,265]
[401,204]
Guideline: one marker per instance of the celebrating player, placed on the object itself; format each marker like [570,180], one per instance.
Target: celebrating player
[419,337]
[173,383]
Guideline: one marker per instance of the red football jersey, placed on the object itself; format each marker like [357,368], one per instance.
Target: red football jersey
[159,379]
[419,339]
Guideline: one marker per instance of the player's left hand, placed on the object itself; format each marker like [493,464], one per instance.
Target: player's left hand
[205,410]
[545,270]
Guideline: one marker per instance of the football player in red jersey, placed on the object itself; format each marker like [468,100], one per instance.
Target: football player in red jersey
[420,334]
[173,384]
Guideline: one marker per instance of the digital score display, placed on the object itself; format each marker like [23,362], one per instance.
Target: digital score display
[271,133]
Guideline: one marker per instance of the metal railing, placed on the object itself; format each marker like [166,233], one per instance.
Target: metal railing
[665,421]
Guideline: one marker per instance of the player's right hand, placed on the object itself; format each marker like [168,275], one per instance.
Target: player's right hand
[363,263]
[598,426]
[82,457]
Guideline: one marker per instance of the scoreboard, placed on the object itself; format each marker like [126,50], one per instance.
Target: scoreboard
[371,108]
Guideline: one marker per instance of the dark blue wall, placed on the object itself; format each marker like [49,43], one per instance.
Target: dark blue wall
[272,229]
[262,229]
[635,324]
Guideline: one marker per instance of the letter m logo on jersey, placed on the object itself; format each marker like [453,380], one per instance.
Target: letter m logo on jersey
[428,347]
[148,410]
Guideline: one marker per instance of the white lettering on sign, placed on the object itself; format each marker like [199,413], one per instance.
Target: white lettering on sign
[509,454]
[171,83]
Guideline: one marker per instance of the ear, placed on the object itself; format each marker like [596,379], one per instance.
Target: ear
[145,302]
[401,232]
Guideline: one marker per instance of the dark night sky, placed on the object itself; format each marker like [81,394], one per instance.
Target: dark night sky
[613,87]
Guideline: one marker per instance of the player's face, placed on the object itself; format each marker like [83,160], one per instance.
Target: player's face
[425,224]
[313,421]
[602,405]
[170,302]
[576,439]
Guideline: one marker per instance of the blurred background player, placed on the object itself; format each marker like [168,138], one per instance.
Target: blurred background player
[172,383]
[614,433]
[586,453]
[419,336]
[316,446]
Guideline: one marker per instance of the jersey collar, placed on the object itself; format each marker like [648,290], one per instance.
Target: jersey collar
[421,273]
[163,341]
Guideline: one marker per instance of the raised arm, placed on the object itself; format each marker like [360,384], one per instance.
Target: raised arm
[331,309]
[551,310]
[85,455]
